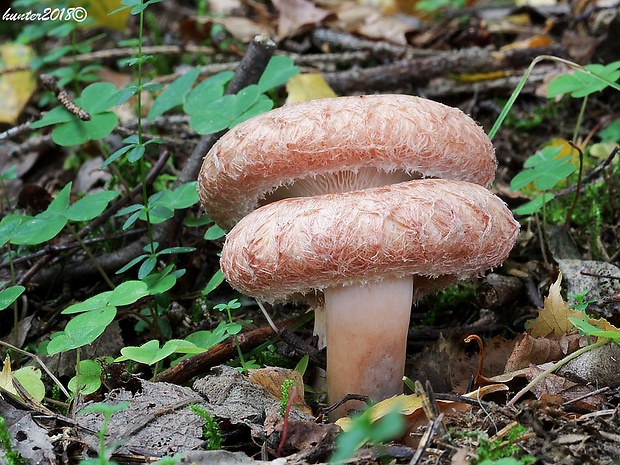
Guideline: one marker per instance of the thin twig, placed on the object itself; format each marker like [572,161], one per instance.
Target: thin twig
[41,364]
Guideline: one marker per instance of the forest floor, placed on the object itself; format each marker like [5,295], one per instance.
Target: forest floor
[163,334]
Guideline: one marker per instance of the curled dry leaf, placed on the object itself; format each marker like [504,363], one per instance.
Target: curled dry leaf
[295,15]
[529,350]
[272,379]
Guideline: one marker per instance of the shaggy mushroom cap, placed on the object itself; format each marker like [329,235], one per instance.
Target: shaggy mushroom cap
[436,230]
[372,200]
[337,145]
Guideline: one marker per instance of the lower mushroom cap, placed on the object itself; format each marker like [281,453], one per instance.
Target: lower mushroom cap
[437,230]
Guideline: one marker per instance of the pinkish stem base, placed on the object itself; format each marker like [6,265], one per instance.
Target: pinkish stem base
[367,339]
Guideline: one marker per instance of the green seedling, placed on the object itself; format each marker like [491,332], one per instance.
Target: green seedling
[233,329]
[95,315]
[587,70]
[11,456]
[149,259]
[161,206]
[88,378]
[28,230]
[594,331]
[545,169]
[285,393]
[364,431]
[105,452]
[214,282]
[70,130]
[501,451]
[210,430]
[150,353]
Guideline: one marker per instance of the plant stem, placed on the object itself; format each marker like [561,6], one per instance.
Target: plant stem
[96,264]
[554,367]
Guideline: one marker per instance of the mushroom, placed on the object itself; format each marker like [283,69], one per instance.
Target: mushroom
[365,229]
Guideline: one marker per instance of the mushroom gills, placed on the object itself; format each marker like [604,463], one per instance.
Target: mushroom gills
[338,182]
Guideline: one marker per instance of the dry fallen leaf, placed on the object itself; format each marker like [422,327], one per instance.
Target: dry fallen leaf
[100,12]
[307,87]
[15,88]
[272,378]
[295,15]
[552,320]
[6,377]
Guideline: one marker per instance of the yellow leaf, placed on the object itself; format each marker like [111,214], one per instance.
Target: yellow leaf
[6,377]
[308,87]
[603,149]
[410,405]
[565,149]
[98,11]
[404,404]
[552,319]
[477,77]
[15,88]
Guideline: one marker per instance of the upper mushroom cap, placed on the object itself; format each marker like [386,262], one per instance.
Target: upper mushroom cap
[430,228]
[308,139]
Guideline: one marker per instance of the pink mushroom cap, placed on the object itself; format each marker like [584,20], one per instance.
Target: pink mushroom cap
[407,136]
[390,203]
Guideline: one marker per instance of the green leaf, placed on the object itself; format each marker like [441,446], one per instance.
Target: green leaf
[61,201]
[611,133]
[145,269]
[30,378]
[90,378]
[91,206]
[132,263]
[545,170]
[82,330]
[77,132]
[96,302]
[127,293]
[591,330]
[125,94]
[9,226]
[9,295]
[171,250]
[261,105]
[214,282]
[214,232]
[39,229]
[136,153]
[161,282]
[54,116]
[97,97]
[214,117]
[580,84]
[534,205]
[119,153]
[278,71]
[149,353]
[174,94]
[208,339]
[206,92]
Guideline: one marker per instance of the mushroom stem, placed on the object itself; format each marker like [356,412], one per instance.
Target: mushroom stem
[367,339]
